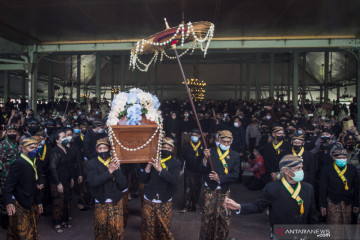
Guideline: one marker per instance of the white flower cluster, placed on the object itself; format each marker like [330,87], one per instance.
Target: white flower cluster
[132,104]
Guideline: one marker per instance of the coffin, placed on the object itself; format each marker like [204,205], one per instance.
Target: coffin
[133,137]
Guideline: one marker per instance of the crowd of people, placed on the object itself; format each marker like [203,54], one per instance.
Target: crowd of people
[306,160]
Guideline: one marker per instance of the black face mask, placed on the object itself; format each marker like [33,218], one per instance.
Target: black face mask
[291,131]
[11,136]
[280,138]
[350,147]
[49,130]
[309,135]
[165,153]
[325,139]
[104,155]
[33,129]
[297,148]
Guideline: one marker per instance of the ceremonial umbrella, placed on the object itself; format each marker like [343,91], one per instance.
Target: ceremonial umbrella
[199,33]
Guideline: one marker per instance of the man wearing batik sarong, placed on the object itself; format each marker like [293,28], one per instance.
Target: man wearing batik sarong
[339,189]
[215,220]
[106,183]
[160,179]
[21,195]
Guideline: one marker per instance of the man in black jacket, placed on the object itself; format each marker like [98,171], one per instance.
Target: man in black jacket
[339,189]
[106,183]
[91,138]
[21,193]
[215,221]
[160,179]
[192,156]
[290,200]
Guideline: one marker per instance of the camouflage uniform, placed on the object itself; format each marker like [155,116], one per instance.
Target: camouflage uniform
[8,153]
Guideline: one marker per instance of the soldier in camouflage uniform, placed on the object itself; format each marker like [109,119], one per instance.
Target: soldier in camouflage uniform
[9,151]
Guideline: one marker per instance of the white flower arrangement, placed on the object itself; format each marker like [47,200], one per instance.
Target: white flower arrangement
[133,104]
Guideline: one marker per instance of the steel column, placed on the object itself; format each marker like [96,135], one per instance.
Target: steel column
[257,76]
[23,86]
[296,80]
[303,80]
[6,86]
[240,81]
[247,81]
[122,72]
[33,87]
[50,81]
[326,77]
[78,77]
[358,91]
[289,80]
[338,93]
[97,77]
[272,78]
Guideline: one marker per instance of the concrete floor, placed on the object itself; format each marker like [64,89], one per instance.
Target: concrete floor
[185,226]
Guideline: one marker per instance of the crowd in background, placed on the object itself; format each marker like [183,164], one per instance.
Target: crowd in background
[77,126]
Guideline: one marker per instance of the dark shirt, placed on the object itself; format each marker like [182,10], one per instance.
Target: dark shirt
[332,187]
[90,140]
[21,184]
[60,167]
[272,158]
[104,185]
[192,162]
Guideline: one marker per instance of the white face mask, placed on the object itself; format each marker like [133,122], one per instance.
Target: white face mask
[217,144]
[69,138]
[186,115]
[236,124]
[268,117]
[223,147]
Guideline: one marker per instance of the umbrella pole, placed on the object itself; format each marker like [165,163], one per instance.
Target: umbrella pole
[192,103]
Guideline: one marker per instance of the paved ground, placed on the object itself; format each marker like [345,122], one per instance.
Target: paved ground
[184,226]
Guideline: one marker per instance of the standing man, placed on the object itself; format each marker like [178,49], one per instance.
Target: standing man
[339,189]
[298,149]
[274,151]
[160,181]
[97,132]
[192,156]
[215,221]
[9,151]
[21,194]
[290,200]
[106,183]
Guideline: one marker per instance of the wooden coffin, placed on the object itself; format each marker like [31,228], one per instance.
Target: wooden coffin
[133,137]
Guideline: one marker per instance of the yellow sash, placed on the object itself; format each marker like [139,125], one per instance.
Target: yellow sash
[277,146]
[195,147]
[81,137]
[106,163]
[42,157]
[298,154]
[294,194]
[222,159]
[33,164]
[162,161]
[341,175]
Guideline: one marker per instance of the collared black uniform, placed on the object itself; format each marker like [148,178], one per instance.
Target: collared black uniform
[90,140]
[192,173]
[272,158]
[332,187]
[233,162]
[283,208]
[161,185]
[21,184]
[308,167]
[104,185]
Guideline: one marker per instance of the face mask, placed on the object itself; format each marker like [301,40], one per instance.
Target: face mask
[236,124]
[96,113]
[309,135]
[341,162]
[297,148]
[101,130]
[280,138]
[39,148]
[300,132]
[68,126]
[43,142]
[194,138]
[33,130]
[69,138]
[75,117]
[32,154]
[350,147]
[299,176]
[173,117]
[64,142]
[186,115]
[268,117]
[165,153]
[76,131]
[325,139]
[223,147]
[290,131]
[12,136]
[217,144]
[104,155]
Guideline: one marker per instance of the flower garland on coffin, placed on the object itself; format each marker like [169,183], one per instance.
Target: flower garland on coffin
[133,106]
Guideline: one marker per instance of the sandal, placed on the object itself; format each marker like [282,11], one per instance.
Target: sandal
[58,229]
[66,225]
